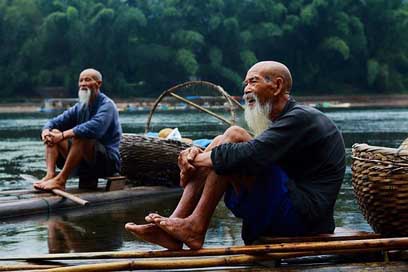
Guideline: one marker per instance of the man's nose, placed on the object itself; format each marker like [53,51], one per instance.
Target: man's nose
[247,89]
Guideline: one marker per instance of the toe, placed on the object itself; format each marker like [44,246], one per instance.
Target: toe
[149,219]
[130,224]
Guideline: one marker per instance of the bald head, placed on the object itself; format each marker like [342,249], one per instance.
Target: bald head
[95,74]
[272,69]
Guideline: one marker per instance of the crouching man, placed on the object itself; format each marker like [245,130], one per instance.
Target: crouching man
[283,182]
[83,140]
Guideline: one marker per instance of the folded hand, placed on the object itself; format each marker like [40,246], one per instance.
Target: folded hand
[186,164]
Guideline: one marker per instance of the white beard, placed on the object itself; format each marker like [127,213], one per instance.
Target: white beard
[84,94]
[257,118]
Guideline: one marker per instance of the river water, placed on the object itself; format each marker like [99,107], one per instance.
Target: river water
[101,229]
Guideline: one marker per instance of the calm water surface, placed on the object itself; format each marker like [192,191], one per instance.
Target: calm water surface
[101,229]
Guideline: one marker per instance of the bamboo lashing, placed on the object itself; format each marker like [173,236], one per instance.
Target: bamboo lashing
[383,243]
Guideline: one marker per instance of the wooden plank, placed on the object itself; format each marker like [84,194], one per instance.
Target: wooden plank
[116,183]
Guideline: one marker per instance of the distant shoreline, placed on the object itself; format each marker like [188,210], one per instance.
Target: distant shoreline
[327,101]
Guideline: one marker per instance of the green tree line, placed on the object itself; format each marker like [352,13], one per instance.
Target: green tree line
[143,47]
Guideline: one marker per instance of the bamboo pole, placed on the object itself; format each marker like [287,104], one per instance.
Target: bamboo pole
[165,264]
[186,263]
[201,108]
[27,192]
[71,197]
[20,192]
[383,243]
[19,267]
[199,262]
[58,191]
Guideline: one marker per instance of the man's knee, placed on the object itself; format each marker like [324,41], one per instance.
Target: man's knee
[236,134]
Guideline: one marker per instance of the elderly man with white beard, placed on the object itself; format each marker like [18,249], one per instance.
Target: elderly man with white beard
[83,140]
[283,182]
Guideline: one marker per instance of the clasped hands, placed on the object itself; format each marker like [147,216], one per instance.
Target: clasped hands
[51,137]
[186,164]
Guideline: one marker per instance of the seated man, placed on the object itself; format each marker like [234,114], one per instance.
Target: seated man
[283,182]
[83,140]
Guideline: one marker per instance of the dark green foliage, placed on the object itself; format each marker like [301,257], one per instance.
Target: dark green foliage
[143,47]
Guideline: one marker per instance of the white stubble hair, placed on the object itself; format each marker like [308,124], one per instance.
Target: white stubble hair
[257,118]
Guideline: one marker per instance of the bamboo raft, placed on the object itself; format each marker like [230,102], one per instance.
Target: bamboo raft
[150,169]
[30,202]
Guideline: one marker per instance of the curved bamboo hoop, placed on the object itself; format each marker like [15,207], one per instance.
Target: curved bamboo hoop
[172,92]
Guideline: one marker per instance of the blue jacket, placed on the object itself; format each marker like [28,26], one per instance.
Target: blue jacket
[99,121]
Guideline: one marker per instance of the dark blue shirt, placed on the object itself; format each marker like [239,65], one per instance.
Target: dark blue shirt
[99,121]
[307,145]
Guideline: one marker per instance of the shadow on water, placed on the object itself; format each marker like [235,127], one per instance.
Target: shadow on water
[102,228]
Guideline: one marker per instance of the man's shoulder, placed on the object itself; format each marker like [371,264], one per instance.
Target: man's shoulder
[73,109]
[300,114]
[106,100]
[305,111]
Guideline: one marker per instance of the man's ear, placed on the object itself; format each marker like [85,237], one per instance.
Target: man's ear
[279,86]
[99,83]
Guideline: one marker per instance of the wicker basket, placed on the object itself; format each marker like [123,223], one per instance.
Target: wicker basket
[150,161]
[404,144]
[380,183]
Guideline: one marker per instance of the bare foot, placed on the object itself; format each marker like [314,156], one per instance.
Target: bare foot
[153,234]
[47,185]
[181,229]
[45,178]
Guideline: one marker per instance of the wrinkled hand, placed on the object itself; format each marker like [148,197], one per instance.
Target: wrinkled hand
[185,163]
[46,137]
[50,138]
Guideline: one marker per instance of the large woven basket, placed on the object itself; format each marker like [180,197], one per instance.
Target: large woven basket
[151,161]
[380,183]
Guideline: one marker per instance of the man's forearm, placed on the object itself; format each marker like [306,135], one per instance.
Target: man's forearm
[68,133]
